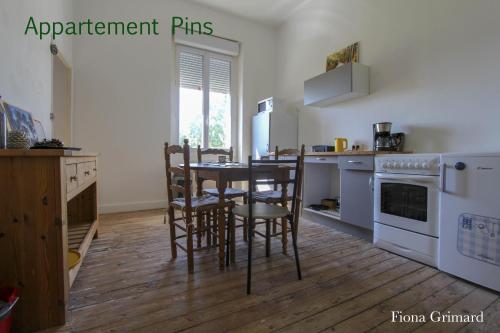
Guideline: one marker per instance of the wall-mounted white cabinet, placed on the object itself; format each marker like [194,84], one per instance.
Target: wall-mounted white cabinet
[340,84]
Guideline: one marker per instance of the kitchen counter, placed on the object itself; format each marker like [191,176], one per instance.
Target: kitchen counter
[343,153]
[353,153]
[44,153]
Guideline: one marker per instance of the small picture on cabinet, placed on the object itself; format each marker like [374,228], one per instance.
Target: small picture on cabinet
[343,56]
[21,121]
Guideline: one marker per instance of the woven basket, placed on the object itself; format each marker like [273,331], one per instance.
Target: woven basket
[17,140]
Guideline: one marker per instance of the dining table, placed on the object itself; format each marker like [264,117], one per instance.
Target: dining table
[224,173]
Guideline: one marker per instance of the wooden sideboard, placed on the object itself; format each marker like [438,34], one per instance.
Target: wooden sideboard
[48,205]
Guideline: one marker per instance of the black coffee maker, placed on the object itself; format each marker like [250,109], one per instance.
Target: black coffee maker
[382,140]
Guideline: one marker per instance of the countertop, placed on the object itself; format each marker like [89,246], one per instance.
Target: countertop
[351,153]
[44,153]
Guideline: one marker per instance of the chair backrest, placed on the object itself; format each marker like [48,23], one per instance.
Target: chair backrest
[287,152]
[175,170]
[296,164]
[214,151]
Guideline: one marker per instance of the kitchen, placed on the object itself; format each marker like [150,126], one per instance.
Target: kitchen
[388,109]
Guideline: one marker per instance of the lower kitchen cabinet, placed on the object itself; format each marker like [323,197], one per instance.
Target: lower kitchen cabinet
[349,178]
[356,190]
[356,197]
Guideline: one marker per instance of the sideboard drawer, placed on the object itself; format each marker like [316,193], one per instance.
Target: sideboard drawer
[93,168]
[85,172]
[71,177]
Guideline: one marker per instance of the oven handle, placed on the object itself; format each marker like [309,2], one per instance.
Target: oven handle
[413,178]
[442,177]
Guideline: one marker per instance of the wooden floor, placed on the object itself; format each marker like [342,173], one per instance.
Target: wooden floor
[129,283]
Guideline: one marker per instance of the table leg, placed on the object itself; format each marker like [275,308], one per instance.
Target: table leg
[199,185]
[221,186]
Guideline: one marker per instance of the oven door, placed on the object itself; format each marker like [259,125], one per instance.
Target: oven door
[409,202]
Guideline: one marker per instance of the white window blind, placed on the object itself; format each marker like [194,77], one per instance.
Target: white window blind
[220,76]
[205,104]
[191,71]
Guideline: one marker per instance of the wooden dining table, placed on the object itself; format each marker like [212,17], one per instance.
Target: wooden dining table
[222,174]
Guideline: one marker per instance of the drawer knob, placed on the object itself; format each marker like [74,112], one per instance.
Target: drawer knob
[73,178]
[87,173]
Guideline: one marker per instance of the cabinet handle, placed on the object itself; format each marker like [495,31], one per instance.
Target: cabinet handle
[95,169]
[87,173]
[73,178]
[354,162]
[321,158]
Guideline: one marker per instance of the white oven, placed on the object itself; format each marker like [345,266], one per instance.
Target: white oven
[406,205]
[408,202]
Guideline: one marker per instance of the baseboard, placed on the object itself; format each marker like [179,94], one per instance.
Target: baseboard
[131,206]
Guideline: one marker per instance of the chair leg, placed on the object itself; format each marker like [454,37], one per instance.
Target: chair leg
[284,234]
[274,226]
[245,222]
[268,237]
[214,227]
[232,224]
[189,231]
[198,230]
[208,229]
[295,249]
[228,242]
[249,266]
[171,225]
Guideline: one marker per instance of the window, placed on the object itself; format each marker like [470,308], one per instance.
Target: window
[205,111]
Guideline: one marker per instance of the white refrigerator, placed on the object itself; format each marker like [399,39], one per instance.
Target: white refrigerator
[469,243]
[273,125]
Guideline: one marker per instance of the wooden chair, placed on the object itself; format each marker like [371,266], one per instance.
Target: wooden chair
[230,192]
[267,212]
[276,196]
[190,207]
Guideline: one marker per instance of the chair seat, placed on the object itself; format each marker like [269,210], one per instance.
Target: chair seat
[268,196]
[199,203]
[228,193]
[261,211]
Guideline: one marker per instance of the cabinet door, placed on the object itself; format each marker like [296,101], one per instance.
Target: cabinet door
[356,198]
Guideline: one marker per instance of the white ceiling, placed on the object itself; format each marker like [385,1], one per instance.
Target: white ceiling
[271,12]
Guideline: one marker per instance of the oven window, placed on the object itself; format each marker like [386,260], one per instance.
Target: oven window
[409,201]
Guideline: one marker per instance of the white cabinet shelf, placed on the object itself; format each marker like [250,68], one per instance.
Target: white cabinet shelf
[337,85]
[328,213]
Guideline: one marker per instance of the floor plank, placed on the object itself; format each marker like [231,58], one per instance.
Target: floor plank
[128,282]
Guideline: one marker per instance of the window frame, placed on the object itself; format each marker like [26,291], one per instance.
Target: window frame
[175,126]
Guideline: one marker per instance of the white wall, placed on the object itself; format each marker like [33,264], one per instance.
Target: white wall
[26,61]
[123,93]
[434,70]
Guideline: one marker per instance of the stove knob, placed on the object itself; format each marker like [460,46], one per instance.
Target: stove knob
[417,165]
[396,165]
[409,165]
[425,166]
[385,165]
